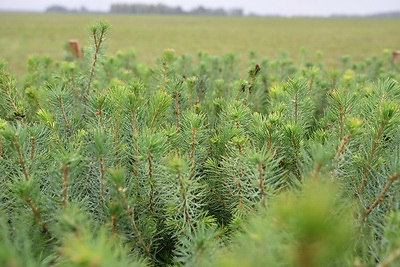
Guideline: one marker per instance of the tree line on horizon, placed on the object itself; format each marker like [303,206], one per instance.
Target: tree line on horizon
[162,9]
[153,9]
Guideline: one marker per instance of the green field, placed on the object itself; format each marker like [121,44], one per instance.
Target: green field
[22,35]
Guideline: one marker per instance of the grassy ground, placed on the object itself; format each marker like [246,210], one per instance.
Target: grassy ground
[22,35]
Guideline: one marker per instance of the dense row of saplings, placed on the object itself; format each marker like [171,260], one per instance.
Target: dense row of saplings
[108,162]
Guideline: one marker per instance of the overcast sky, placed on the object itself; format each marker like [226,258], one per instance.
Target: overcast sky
[281,7]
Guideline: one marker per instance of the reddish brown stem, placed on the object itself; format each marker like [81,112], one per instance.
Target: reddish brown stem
[32,147]
[150,176]
[64,193]
[342,146]
[392,257]
[392,179]
[184,199]
[341,118]
[296,107]
[261,184]
[130,211]
[102,174]
[135,141]
[97,44]
[116,140]
[154,119]
[165,72]
[192,151]
[177,110]
[64,115]
[114,221]
[10,99]
[20,157]
[100,113]
[36,213]
[371,155]
[317,171]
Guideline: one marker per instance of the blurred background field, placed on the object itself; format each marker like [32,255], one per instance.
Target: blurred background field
[26,34]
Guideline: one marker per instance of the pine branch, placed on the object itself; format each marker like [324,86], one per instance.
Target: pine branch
[33,142]
[261,184]
[192,152]
[100,113]
[64,192]
[135,143]
[151,182]
[317,171]
[36,213]
[131,213]
[7,92]
[102,175]
[157,112]
[116,136]
[296,106]
[97,44]
[341,119]
[372,152]
[177,110]
[342,146]
[389,259]
[64,116]
[164,74]
[114,221]
[253,75]
[182,190]
[20,157]
[392,179]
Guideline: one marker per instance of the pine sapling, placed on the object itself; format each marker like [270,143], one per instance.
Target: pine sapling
[98,34]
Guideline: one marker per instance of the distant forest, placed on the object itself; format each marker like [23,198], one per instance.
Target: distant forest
[168,10]
[154,9]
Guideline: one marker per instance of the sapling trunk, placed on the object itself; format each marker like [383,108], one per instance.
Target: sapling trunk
[151,182]
[116,136]
[261,184]
[102,176]
[135,144]
[131,213]
[100,113]
[36,213]
[342,146]
[64,116]
[20,157]
[192,152]
[98,35]
[32,154]
[390,259]
[296,107]
[317,171]
[64,192]
[118,177]
[379,199]
[253,75]
[9,98]
[114,222]
[371,154]
[177,110]
[182,190]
